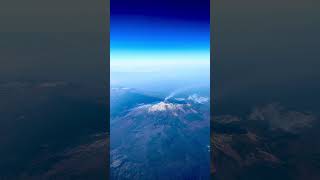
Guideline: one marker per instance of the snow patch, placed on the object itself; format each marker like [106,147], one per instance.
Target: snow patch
[162,106]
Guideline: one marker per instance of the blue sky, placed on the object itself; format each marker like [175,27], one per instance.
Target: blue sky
[183,10]
[149,38]
[166,38]
[156,34]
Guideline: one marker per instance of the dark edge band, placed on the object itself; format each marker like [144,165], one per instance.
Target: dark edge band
[212,57]
[107,59]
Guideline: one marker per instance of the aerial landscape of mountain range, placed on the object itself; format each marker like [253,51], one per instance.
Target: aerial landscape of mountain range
[265,121]
[154,138]
[270,142]
[168,108]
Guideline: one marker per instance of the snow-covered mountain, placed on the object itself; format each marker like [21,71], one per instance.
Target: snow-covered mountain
[153,133]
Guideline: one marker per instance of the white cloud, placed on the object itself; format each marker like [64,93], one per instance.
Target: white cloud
[198,99]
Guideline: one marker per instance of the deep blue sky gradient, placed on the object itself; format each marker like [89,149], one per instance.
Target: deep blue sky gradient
[186,10]
[160,26]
